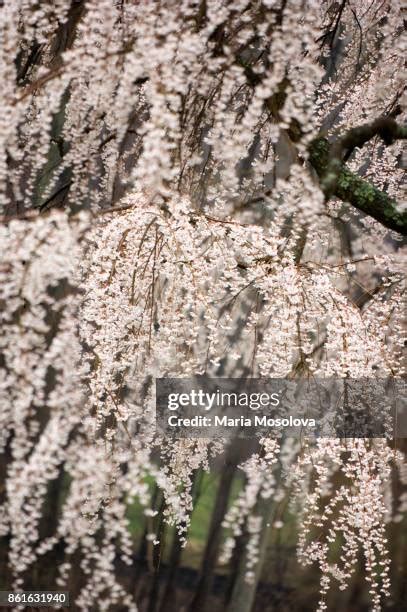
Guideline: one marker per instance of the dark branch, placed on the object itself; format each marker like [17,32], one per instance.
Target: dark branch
[337,180]
[388,129]
[49,201]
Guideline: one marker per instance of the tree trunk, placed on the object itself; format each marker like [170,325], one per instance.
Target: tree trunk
[213,540]
[168,598]
[244,592]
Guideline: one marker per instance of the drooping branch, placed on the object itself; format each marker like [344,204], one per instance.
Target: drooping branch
[337,180]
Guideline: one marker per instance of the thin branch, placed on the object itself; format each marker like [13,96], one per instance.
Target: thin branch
[45,205]
[56,72]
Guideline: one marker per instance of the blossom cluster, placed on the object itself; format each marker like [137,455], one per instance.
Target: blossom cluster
[193,238]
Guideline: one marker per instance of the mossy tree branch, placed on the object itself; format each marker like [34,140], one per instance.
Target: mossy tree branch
[337,180]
